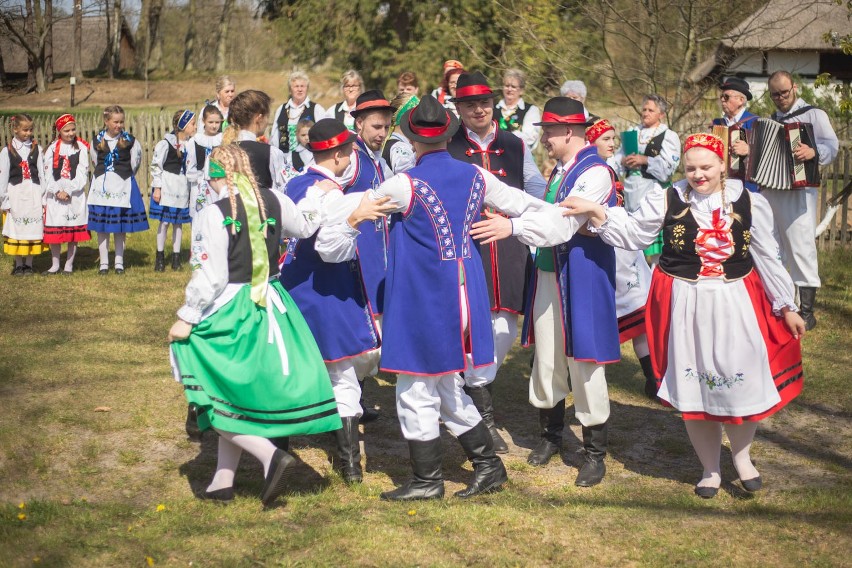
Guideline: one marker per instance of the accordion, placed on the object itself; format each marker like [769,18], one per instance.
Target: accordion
[770,162]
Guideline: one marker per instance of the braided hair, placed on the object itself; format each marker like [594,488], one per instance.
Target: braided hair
[234,160]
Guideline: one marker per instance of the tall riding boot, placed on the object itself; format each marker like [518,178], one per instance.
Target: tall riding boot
[348,451]
[552,422]
[594,446]
[428,480]
[369,414]
[489,473]
[650,379]
[483,402]
[160,261]
[807,297]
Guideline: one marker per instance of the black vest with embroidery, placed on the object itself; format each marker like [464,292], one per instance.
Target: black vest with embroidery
[16,172]
[239,245]
[259,156]
[679,257]
[121,166]
[284,120]
[516,118]
[652,150]
[73,162]
[173,162]
[504,157]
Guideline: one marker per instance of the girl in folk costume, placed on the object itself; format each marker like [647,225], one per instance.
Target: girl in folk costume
[197,151]
[170,187]
[632,273]
[301,156]
[241,347]
[115,202]
[722,324]
[66,174]
[248,121]
[21,195]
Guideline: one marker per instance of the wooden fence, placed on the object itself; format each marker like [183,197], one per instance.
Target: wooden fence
[150,127]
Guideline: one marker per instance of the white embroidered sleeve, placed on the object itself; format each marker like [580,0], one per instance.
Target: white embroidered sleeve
[767,257]
[209,262]
[637,230]
[136,156]
[4,179]
[157,160]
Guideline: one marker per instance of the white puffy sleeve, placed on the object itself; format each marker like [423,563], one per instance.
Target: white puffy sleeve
[637,230]
[277,167]
[50,185]
[767,257]
[136,156]
[4,179]
[81,176]
[158,158]
[40,167]
[826,140]
[303,219]
[662,166]
[191,165]
[529,132]
[209,261]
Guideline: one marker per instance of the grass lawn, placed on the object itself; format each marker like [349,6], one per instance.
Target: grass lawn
[97,471]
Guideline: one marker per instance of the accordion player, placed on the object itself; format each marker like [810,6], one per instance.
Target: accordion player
[770,162]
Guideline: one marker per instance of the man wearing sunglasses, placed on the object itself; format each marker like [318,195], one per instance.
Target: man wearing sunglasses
[795,211]
[733,98]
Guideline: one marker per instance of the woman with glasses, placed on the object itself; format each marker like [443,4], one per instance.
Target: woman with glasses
[514,114]
[351,85]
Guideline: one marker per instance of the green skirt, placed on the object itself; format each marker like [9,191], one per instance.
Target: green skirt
[255,370]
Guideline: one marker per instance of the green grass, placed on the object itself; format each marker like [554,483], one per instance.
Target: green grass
[91,482]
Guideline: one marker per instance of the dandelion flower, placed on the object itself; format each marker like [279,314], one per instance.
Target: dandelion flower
[161,508]
[412,512]
[149,560]
[22,505]
[22,516]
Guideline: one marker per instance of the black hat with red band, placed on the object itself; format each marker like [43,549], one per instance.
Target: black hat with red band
[369,101]
[472,87]
[429,122]
[328,134]
[562,110]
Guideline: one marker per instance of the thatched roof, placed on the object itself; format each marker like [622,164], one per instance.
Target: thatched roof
[93,52]
[781,25]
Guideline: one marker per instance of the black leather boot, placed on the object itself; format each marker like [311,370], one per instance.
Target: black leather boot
[489,473]
[650,379]
[160,261]
[176,261]
[552,422]
[348,451]
[594,447]
[483,402]
[368,413]
[807,297]
[428,479]
[192,430]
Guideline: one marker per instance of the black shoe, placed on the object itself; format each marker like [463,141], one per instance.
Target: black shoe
[552,422]
[650,379]
[594,446]
[706,492]
[50,272]
[276,479]
[752,485]
[18,270]
[349,451]
[103,271]
[119,270]
[282,443]
[428,479]
[176,261]
[193,432]
[160,261]
[28,270]
[369,415]
[807,298]
[483,402]
[489,473]
[223,496]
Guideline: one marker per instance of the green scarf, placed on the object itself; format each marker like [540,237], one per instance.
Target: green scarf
[257,240]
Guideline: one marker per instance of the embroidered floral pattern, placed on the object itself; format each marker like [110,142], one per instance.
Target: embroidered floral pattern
[713,380]
[27,220]
[677,237]
[474,205]
[435,209]
[746,242]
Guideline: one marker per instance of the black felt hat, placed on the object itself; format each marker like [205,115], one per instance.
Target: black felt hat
[327,134]
[562,110]
[429,122]
[736,84]
[472,87]
[370,101]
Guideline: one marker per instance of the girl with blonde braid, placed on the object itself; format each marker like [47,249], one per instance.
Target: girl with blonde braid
[241,347]
[721,321]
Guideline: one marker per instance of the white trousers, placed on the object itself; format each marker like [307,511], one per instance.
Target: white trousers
[552,369]
[795,228]
[345,375]
[422,401]
[504,328]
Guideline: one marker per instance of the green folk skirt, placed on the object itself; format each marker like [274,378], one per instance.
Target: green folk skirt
[256,370]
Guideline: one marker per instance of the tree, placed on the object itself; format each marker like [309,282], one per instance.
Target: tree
[189,41]
[77,48]
[221,42]
[29,26]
